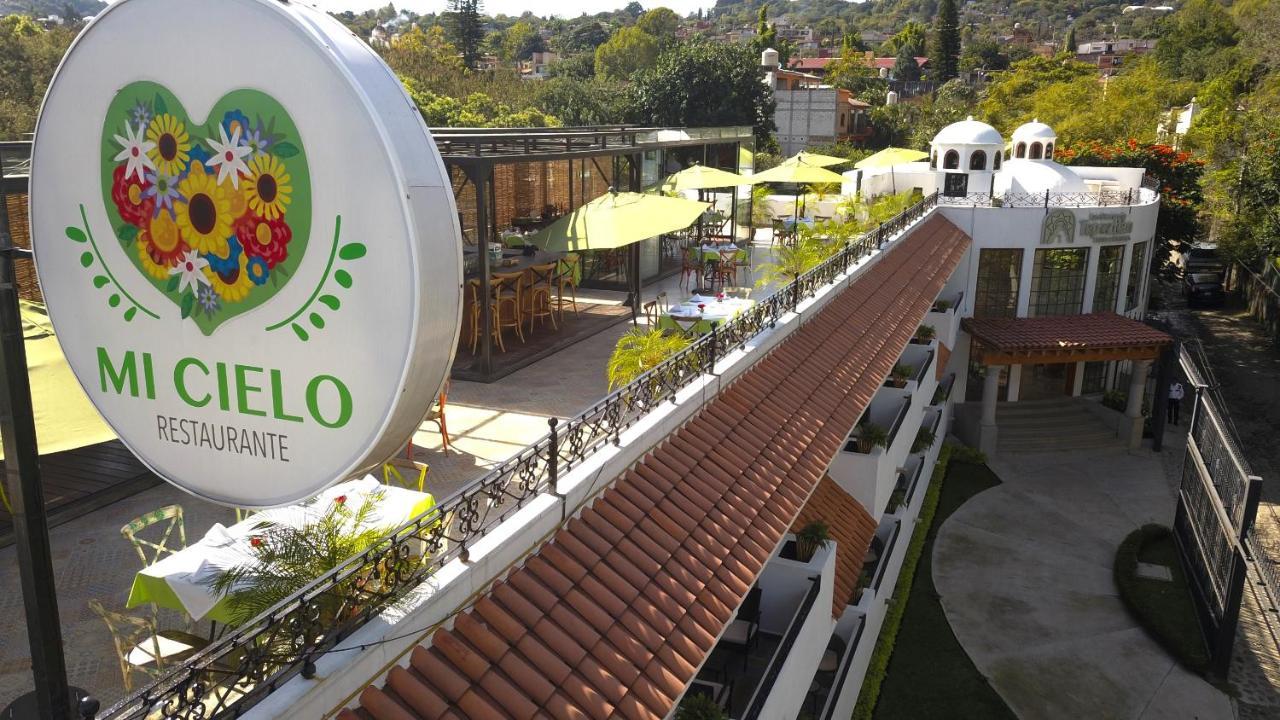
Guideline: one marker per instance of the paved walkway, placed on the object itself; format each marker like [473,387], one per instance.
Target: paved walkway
[1024,572]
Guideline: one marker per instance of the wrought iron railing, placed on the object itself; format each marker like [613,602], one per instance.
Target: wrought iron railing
[779,658]
[251,661]
[1103,198]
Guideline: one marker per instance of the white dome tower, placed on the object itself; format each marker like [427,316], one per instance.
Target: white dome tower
[1033,141]
[966,153]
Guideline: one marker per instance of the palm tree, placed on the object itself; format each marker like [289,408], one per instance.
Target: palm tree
[793,260]
[639,351]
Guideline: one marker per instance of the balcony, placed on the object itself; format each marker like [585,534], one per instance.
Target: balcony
[770,675]
[944,317]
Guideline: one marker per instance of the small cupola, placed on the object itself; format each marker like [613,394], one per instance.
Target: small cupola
[1033,141]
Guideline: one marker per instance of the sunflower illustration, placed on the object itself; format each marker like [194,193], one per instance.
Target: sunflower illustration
[268,190]
[231,286]
[205,218]
[172,144]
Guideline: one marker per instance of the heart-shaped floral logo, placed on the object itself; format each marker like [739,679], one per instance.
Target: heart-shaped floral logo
[216,216]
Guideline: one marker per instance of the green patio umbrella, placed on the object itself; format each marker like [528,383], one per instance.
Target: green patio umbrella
[889,157]
[701,177]
[797,170]
[809,158]
[616,219]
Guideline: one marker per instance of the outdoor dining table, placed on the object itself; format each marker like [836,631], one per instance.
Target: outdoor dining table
[688,317]
[182,581]
[712,252]
[790,223]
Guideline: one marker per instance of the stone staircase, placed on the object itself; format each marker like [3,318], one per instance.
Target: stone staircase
[1065,425]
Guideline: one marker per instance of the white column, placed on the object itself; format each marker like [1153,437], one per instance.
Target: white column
[990,393]
[1131,427]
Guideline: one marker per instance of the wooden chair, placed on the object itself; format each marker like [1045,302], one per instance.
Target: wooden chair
[392,474]
[655,309]
[744,630]
[537,298]
[727,270]
[690,264]
[473,311]
[436,415]
[141,647]
[780,232]
[568,269]
[131,530]
[508,296]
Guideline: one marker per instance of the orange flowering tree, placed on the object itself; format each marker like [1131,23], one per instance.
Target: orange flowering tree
[1177,171]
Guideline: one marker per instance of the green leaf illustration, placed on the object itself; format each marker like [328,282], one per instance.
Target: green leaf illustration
[330,301]
[173,283]
[302,334]
[128,314]
[86,259]
[317,321]
[188,302]
[161,108]
[99,281]
[77,234]
[114,300]
[285,149]
[343,278]
[352,251]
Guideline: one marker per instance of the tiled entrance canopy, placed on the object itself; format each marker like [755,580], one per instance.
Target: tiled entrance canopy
[614,615]
[1065,338]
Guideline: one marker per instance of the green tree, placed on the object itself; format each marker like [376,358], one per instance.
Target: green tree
[475,110]
[911,38]
[1011,94]
[28,56]
[700,84]
[519,42]
[661,23]
[586,37]
[423,54]
[465,28]
[905,66]
[983,55]
[944,59]
[627,52]
[1198,41]
[829,31]
[1069,44]
[582,102]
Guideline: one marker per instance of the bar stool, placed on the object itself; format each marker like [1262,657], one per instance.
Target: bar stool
[568,270]
[538,303]
[508,292]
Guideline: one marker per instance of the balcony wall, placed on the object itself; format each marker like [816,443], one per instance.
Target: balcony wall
[946,323]
[870,477]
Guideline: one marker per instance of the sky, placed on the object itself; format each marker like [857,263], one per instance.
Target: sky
[563,8]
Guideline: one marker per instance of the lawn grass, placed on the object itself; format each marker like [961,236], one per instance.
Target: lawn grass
[1164,609]
[929,674]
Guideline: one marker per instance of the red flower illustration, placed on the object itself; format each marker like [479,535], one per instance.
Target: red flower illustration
[267,239]
[255,541]
[340,499]
[127,195]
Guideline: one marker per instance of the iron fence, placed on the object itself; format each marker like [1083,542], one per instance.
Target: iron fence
[237,671]
[1103,198]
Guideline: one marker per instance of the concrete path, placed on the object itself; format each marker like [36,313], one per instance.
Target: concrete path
[1024,572]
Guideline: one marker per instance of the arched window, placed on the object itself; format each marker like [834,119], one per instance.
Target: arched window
[1035,151]
[951,161]
[978,160]
[1021,150]
[996,166]
[933,161]
[1048,151]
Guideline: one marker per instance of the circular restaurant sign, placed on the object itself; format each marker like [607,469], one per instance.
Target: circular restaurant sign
[247,243]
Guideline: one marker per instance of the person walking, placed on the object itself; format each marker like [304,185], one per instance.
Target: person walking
[1176,393]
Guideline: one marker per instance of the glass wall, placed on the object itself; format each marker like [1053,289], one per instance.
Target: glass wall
[1057,281]
[1137,273]
[999,272]
[1105,290]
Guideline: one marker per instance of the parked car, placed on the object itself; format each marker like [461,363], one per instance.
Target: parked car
[1203,288]
[1199,257]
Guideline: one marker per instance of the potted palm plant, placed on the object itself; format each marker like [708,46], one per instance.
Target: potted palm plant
[810,538]
[900,373]
[925,333]
[942,306]
[870,436]
[924,439]
[639,351]
[699,707]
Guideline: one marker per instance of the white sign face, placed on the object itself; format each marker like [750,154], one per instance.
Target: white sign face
[247,243]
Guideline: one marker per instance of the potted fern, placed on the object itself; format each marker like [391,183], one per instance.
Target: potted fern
[810,538]
[924,439]
[870,436]
[900,374]
[942,306]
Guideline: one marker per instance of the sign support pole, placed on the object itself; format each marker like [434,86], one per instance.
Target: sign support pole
[22,476]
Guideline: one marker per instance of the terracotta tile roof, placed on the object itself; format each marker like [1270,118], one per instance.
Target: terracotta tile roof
[851,526]
[613,616]
[1094,331]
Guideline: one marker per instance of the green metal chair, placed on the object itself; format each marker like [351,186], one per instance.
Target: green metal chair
[157,550]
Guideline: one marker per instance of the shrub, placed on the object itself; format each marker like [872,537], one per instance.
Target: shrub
[870,436]
[1164,609]
[966,454]
[926,332]
[901,373]
[924,439]
[810,538]
[879,663]
[639,351]
[1115,399]
[699,707]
